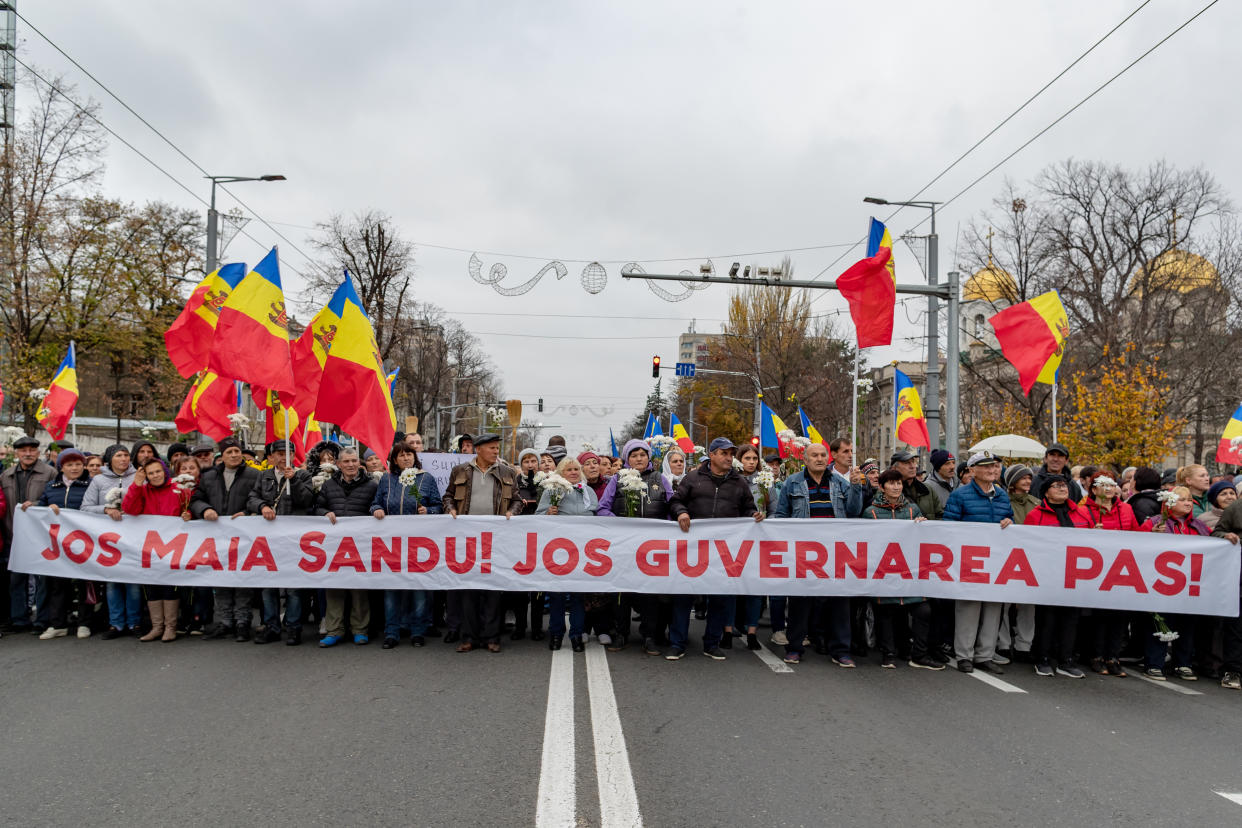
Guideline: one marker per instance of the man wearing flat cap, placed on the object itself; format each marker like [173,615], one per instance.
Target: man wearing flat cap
[484,486]
[22,481]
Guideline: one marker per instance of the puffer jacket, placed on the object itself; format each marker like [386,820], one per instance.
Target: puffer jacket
[1145,505]
[270,491]
[970,504]
[97,495]
[1043,515]
[882,509]
[145,499]
[346,498]
[66,497]
[701,495]
[1120,517]
[211,494]
[395,498]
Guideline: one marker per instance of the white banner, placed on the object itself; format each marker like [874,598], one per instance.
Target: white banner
[1030,565]
[440,465]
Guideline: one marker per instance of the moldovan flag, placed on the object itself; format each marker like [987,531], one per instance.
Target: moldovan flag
[189,338]
[207,407]
[1032,337]
[908,412]
[871,289]
[770,428]
[811,433]
[678,432]
[305,431]
[354,391]
[1229,449]
[310,352]
[252,336]
[56,410]
[653,427]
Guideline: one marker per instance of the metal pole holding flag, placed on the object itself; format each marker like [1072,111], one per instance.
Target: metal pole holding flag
[854,407]
[73,421]
[1054,410]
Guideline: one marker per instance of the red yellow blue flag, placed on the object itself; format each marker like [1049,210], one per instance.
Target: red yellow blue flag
[770,428]
[207,407]
[189,338]
[678,432]
[877,238]
[1032,337]
[252,336]
[870,287]
[908,412]
[811,433]
[1229,449]
[56,409]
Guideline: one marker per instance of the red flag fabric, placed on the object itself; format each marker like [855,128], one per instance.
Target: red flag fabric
[207,407]
[252,336]
[869,288]
[188,340]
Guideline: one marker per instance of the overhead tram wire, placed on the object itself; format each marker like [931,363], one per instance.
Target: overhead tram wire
[167,141]
[992,132]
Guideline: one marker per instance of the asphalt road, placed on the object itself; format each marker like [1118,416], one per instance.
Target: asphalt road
[197,732]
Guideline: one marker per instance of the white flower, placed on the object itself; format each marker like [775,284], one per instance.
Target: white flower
[239,421]
[185,481]
[328,469]
[865,385]
[554,483]
[737,464]
[112,500]
[765,479]
[38,393]
[1168,498]
[699,449]
[630,480]
[376,475]
[11,433]
[540,477]
[408,477]
[786,435]
[148,432]
[589,447]
[1166,636]
[801,442]
[1236,443]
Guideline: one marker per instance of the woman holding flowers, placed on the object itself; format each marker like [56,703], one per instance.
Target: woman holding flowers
[405,490]
[104,496]
[1176,518]
[1107,511]
[154,493]
[565,493]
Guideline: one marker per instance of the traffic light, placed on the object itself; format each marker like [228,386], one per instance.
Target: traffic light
[541,405]
[655,367]
[754,441]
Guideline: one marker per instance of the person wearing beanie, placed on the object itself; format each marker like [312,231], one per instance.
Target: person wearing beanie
[1056,628]
[593,472]
[1145,501]
[1018,479]
[154,493]
[105,495]
[1219,497]
[222,491]
[142,451]
[520,602]
[174,454]
[65,491]
[1107,511]
[1016,642]
[942,480]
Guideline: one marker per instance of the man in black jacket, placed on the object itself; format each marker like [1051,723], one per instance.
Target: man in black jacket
[1056,461]
[1144,501]
[223,491]
[347,493]
[713,490]
[281,490]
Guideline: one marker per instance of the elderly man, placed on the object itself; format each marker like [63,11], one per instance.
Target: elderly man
[415,441]
[205,455]
[977,623]
[347,493]
[24,480]
[222,491]
[484,486]
[712,490]
[281,490]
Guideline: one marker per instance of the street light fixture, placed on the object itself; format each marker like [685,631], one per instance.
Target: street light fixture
[213,217]
[931,391]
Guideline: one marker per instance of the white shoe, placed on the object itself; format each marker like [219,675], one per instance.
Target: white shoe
[605,639]
[53,632]
[323,630]
[84,631]
[779,638]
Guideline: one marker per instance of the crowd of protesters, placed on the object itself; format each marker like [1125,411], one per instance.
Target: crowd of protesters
[210,481]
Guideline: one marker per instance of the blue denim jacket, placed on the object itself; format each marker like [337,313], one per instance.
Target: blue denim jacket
[795,501]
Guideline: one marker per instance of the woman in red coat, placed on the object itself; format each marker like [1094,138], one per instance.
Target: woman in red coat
[1056,628]
[153,493]
[1108,511]
[1176,518]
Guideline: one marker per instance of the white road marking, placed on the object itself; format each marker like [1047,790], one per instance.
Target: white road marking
[1168,684]
[1235,798]
[557,793]
[775,662]
[618,801]
[999,684]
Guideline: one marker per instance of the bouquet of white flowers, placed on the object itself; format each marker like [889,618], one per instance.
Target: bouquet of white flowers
[11,433]
[238,421]
[556,487]
[764,480]
[1162,629]
[737,465]
[660,444]
[184,481]
[326,470]
[148,433]
[38,393]
[540,477]
[631,484]
[112,500]
[409,479]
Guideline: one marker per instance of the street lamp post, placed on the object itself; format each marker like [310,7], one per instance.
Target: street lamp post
[213,217]
[931,391]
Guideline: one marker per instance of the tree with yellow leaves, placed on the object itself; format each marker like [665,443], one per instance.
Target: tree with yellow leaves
[1119,415]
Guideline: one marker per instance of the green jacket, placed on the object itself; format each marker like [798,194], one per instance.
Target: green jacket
[1022,505]
[903,509]
[920,495]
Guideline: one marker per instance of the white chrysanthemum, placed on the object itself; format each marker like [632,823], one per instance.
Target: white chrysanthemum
[38,393]
[408,477]
[112,500]
[765,479]
[785,435]
[184,480]
[737,464]
[555,483]
[239,421]
[630,480]
[589,447]
[865,385]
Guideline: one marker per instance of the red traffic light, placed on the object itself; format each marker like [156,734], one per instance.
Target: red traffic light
[655,367]
[754,441]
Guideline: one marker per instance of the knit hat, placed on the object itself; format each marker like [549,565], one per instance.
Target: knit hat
[939,457]
[1015,473]
[587,455]
[228,443]
[961,468]
[176,448]
[1216,489]
[869,466]
[1048,482]
[111,451]
[558,452]
[68,454]
[532,452]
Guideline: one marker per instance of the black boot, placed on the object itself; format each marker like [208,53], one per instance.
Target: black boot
[294,639]
[554,642]
[243,633]
[576,644]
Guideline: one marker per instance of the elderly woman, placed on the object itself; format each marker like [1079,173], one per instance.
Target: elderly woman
[579,500]
[518,602]
[747,608]
[1176,518]
[674,466]
[65,491]
[1056,628]
[595,472]
[1107,511]
[1220,495]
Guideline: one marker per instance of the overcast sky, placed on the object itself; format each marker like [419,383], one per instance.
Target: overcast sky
[629,131]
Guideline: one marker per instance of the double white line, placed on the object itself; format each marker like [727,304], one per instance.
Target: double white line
[558,795]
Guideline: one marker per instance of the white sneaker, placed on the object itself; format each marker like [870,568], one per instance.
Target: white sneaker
[84,631]
[605,639]
[323,629]
[779,638]
[53,632]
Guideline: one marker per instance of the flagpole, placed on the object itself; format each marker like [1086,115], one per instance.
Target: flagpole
[1054,410]
[894,407]
[289,453]
[73,421]
[854,407]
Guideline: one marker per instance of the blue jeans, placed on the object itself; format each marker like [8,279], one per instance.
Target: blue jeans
[406,609]
[718,610]
[124,605]
[556,614]
[293,609]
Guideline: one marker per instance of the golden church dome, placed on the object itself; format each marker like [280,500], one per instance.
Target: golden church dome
[991,284]
[1178,270]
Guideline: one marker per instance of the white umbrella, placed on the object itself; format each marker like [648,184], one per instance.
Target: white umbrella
[1010,445]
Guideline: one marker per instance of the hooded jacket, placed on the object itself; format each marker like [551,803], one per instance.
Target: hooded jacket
[701,495]
[1145,505]
[655,498]
[96,495]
